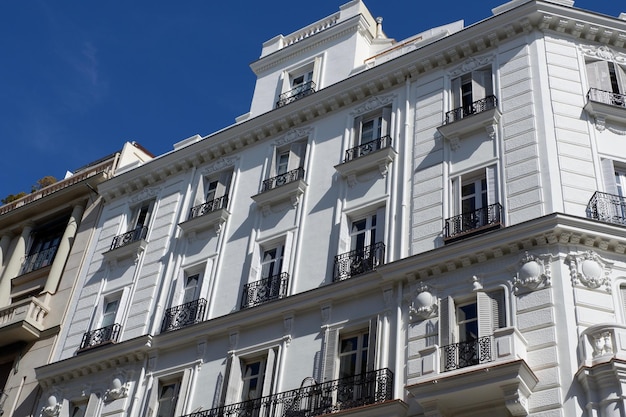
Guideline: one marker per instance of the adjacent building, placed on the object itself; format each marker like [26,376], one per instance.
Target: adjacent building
[43,236]
[426,227]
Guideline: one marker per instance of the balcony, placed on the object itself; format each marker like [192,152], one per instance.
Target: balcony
[359,261]
[608,208]
[374,387]
[491,371]
[481,114]
[287,186]
[100,337]
[606,105]
[297,93]
[183,315]
[129,244]
[38,260]
[473,223]
[265,290]
[210,214]
[473,352]
[376,154]
[22,321]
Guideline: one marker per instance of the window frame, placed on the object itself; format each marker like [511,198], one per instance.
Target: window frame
[471,86]
[490,176]
[142,215]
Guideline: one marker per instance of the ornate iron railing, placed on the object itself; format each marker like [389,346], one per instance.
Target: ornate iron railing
[129,237]
[100,336]
[463,354]
[38,260]
[606,97]
[359,261]
[183,315]
[297,93]
[282,179]
[608,208]
[474,221]
[213,205]
[314,400]
[479,106]
[265,290]
[368,147]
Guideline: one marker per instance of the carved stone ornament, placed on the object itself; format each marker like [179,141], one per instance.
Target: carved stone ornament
[118,388]
[220,164]
[533,273]
[589,270]
[423,303]
[373,103]
[471,64]
[604,53]
[53,408]
[145,194]
[293,135]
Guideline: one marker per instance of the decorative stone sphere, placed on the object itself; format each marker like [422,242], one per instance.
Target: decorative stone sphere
[116,384]
[423,300]
[530,270]
[591,269]
[52,401]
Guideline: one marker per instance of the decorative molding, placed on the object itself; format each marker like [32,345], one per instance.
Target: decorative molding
[423,303]
[119,387]
[534,272]
[604,53]
[471,64]
[293,135]
[589,270]
[220,164]
[373,103]
[145,194]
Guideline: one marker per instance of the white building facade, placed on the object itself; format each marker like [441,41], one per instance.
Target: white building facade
[432,227]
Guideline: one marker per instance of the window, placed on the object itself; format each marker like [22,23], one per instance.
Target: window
[353,354]
[168,398]
[217,186]
[288,158]
[253,374]
[78,410]
[192,287]
[467,327]
[109,312]
[272,262]
[367,249]
[372,126]
[141,216]
[471,93]
[474,203]
[44,244]
[299,83]
[348,353]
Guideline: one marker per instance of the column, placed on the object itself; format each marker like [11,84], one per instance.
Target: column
[14,264]
[63,251]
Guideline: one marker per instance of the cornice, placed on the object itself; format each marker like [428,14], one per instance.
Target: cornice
[451,50]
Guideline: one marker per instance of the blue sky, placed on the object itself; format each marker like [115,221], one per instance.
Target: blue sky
[80,78]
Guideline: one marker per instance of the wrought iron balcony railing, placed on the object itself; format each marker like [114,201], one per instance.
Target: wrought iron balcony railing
[479,106]
[265,290]
[38,260]
[359,261]
[472,222]
[282,179]
[461,355]
[297,93]
[183,315]
[129,237]
[606,97]
[368,147]
[93,338]
[315,400]
[213,205]
[608,208]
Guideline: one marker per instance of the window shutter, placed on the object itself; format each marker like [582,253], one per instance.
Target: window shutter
[598,75]
[358,122]
[608,175]
[331,340]
[621,78]
[456,93]
[380,225]
[622,292]
[371,345]
[481,84]
[386,121]
[456,196]
[498,309]
[233,378]
[492,184]
[270,369]
[485,314]
[223,184]
[296,155]
[446,314]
